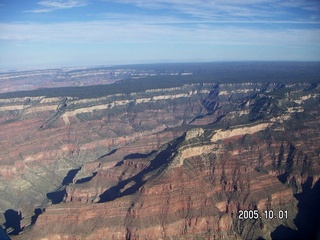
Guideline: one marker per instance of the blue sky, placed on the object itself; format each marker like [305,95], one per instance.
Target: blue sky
[54,33]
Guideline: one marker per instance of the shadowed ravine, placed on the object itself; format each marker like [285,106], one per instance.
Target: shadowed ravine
[170,160]
[160,160]
[308,217]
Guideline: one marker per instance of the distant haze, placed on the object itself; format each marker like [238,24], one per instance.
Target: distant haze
[55,33]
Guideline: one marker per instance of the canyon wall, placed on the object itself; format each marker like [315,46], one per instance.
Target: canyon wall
[160,164]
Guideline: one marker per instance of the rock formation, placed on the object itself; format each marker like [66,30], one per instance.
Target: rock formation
[171,163]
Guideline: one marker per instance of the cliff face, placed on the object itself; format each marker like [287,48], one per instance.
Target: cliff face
[42,139]
[168,163]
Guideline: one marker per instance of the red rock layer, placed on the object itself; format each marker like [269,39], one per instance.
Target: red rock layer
[197,188]
[43,138]
[199,199]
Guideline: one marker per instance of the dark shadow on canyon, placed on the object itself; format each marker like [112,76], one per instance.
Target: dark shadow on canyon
[70,176]
[134,156]
[116,191]
[308,217]
[56,197]
[86,179]
[108,154]
[3,234]
[13,222]
[37,212]
[138,155]
[283,177]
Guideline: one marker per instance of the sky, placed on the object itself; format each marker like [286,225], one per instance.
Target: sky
[56,33]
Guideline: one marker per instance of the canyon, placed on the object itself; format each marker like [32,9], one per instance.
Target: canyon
[163,159]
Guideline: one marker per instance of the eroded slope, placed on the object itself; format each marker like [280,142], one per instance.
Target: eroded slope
[249,146]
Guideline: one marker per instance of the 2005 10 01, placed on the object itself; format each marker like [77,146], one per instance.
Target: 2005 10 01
[267,214]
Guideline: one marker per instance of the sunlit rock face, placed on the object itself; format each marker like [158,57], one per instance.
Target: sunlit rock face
[164,163]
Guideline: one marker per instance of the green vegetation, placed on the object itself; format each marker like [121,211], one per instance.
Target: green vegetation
[237,72]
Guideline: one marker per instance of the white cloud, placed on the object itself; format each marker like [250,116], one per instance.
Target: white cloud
[151,19]
[228,9]
[147,32]
[49,5]
[212,22]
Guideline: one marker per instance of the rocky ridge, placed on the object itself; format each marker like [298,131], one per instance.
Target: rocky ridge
[245,147]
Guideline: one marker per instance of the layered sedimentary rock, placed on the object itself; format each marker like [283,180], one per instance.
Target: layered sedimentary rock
[166,163]
[44,138]
[200,198]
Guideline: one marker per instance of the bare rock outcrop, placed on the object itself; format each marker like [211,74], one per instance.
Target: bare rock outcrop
[173,163]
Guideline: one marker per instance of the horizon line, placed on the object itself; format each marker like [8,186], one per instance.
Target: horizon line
[88,66]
